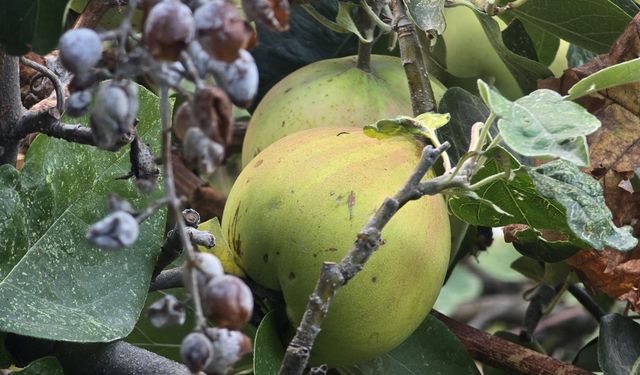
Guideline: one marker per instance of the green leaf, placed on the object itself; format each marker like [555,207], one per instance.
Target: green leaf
[530,268]
[267,348]
[526,72]
[542,124]
[615,75]
[343,18]
[465,110]
[629,6]
[423,125]
[54,284]
[587,357]
[517,39]
[31,25]
[462,286]
[618,344]
[431,349]
[531,243]
[587,214]
[545,44]
[42,366]
[428,15]
[593,25]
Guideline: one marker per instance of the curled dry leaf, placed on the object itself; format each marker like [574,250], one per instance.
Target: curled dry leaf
[273,14]
[614,152]
[221,30]
[168,29]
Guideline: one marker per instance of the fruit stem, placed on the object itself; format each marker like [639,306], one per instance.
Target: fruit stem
[364,56]
[422,98]
[174,203]
[367,27]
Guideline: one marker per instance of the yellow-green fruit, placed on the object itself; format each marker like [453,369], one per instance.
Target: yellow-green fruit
[330,93]
[302,201]
[470,53]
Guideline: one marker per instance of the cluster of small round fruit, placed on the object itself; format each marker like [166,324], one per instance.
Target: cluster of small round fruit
[178,42]
[228,301]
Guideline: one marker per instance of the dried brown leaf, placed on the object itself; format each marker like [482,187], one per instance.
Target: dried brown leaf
[273,14]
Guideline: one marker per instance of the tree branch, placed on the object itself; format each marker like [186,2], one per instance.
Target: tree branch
[44,122]
[333,276]
[422,98]
[504,354]
[118,357]
[10,108]
[55,80]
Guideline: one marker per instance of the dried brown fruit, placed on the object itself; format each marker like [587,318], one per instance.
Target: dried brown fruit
[274,14]
[239,79]
[211,111]
[228,301]
[229,347]
[114,113]
[167,311]
[168,30]
[196,351]
[221,30]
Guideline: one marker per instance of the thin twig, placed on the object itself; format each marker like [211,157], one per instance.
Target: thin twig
[174,202]
[333,276]
[587,301]
[151,209]
[55,80]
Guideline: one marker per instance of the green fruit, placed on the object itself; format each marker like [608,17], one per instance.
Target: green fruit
[330,93]
[469,52]
[303,200]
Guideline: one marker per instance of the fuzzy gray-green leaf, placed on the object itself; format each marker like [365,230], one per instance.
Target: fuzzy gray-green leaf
[587,214]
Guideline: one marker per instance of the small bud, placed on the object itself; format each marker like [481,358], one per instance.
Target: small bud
[113,114]
[80,50]
[191,217]
[117,230]
[228,348]
[78,103]
[168,29]
[239,79]
[196,351]
[116,203]
[228,301]
[201,153]
[165,312]
[201,237]
[221,30]
[208,267]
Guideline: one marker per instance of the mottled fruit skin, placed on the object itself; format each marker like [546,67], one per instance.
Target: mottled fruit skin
[303,200]
[330,93]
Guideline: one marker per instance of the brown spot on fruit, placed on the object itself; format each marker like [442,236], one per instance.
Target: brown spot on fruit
[292,275]
[374,279]
[265,258]
[351,201]
[258,163]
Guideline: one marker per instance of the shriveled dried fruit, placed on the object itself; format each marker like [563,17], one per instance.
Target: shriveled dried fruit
[167,311]
[117,230]
[168,29]
[239,79]
[114,113]
[80,50]
[209,267]
[221,30]
[78,103]
[196,351]
[211,111]
[274,14]
[201,153]
[228,348]
[228,301]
